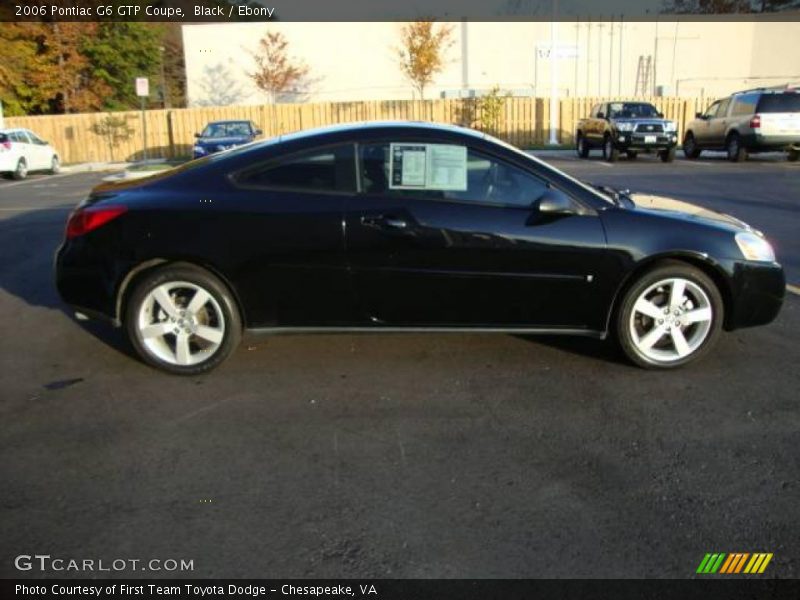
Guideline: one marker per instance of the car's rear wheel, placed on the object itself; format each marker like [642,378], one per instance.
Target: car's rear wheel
[610,151]
[690,149]
[671,316]
[733,146]
[793,155]
[667,155]
[55,166]
[632,154]
[581,147]
[21,172]
[183,320]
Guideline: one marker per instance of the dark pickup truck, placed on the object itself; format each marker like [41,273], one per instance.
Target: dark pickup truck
[629,127]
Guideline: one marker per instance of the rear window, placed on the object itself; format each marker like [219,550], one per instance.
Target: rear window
[779,103]
[3,138]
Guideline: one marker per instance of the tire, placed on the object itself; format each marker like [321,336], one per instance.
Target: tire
[667,155]
[160,305]
[581,147]
[21,172]
[733,146]
[690,149]
[674,340]
[55,166]
[793,155]
[632,154]
[610,151]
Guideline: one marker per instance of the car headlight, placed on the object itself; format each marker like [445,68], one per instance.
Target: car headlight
[625,126]
[670,126]
[199,150]
[754,247]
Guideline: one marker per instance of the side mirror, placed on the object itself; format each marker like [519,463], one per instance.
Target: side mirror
[660,115]
[258,132]
[601,115]
[555,202]
[197,135]
[699,116]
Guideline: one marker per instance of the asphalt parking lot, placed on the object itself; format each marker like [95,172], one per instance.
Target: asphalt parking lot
[404,455]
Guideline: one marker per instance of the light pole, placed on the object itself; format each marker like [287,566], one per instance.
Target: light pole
[553,76]
[164,93]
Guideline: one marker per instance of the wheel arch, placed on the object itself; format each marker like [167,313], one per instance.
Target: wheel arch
[144,268]
[709,267]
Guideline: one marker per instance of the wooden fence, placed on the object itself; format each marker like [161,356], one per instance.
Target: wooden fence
[524,122]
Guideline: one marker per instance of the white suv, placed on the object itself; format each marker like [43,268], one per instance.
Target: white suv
[22,151]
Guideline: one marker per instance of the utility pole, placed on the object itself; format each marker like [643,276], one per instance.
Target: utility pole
[619,67]
[600,26]
[554,76]
[588,53]
[611,56]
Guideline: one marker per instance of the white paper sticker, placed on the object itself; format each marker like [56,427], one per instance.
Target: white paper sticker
[427,167]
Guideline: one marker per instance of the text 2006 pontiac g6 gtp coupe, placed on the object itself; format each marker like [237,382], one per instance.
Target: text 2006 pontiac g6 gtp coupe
[388,227]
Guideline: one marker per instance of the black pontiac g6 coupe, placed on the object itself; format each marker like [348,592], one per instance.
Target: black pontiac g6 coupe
[385,227]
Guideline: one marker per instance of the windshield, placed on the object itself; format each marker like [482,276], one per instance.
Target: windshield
[779,103]
[631,110]
[235,129]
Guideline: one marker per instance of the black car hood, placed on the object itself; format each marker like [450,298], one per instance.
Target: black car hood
[684,210]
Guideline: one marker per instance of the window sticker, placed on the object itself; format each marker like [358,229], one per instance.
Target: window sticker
[427,167]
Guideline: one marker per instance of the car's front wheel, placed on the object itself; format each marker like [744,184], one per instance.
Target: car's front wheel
[667,155]
[690,148]
[610,151]
[793,155]
[670,316]
[182,319]
[55,166]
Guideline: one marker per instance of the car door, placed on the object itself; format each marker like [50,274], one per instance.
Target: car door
[24,148]
[718,125]
[41,153]
[702,127]
[284,237]
[476,252]
[598,124]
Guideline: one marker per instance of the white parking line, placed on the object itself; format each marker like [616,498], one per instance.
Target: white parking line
[38,180]
[793,289]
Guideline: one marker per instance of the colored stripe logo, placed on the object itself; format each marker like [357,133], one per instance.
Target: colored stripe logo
[735,563]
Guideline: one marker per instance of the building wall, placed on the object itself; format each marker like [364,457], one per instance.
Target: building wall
[356,61]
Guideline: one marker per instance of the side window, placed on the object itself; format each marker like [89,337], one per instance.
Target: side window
[722,111]
[319,170]
[35,139]
[487,179]
[19,136]
[711,112]
[744,104]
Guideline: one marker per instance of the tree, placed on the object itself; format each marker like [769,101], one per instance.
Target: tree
[276,72]
[421,53]
[119,52]
[219,87]
[114,129]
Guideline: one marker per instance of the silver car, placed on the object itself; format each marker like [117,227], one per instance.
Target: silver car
[760,120]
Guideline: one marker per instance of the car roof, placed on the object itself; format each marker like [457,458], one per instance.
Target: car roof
[388,126]
[229,121]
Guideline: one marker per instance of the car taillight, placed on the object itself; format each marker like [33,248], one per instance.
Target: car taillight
[755,122]
[84,220]
[5,146]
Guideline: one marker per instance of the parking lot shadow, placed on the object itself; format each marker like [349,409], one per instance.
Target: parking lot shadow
[28,242]
[604,350]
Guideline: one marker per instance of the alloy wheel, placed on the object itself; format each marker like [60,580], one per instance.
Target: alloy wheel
[670,320]
[181,323]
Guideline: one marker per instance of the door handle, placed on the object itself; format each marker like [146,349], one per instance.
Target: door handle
[383,221]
